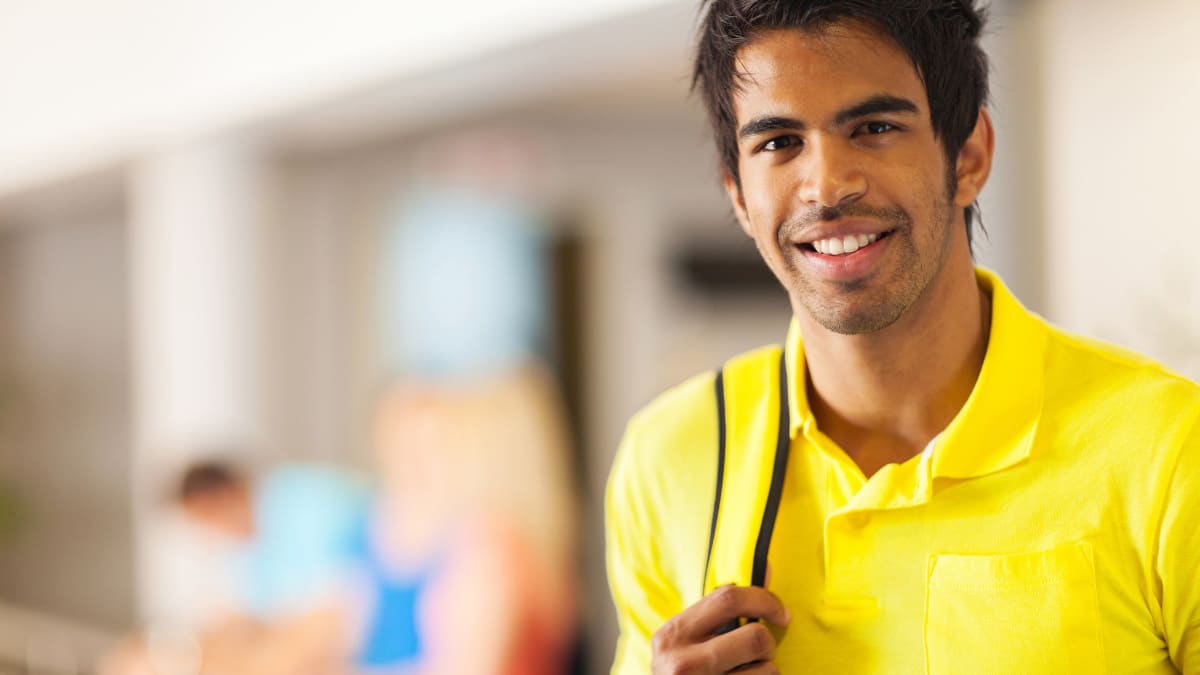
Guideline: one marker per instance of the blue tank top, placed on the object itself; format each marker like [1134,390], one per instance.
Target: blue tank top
[393,636]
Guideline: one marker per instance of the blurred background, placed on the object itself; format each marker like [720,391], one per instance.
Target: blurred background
[360,235]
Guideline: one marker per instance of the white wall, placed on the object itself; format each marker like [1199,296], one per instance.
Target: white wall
[1121,84]
[1010,203]
[196,286]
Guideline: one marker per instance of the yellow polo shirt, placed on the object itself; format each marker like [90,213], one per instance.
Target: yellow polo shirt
[1052,527]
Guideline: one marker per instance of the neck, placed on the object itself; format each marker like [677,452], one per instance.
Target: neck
[883,396]
[411,525]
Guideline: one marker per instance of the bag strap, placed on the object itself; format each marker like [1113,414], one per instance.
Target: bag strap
[716,509]
[783,443]
[745,461]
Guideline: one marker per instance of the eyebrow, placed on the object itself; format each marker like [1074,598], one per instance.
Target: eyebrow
[874,105]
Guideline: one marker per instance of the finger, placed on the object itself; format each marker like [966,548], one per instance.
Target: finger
[760,668]
[746,647]
[726,604]
[743,648]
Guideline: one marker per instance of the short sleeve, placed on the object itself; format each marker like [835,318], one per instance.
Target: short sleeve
[643,594]
[1179,556]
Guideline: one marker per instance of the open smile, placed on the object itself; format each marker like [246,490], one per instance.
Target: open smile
[847,257]
[844,246]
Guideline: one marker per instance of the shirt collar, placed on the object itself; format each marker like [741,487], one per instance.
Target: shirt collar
[995,427]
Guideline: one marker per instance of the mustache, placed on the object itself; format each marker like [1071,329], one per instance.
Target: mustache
[795,227]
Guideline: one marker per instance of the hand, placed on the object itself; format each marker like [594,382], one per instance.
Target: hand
[691,642]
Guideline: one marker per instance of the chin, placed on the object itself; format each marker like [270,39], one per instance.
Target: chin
[856,324]
[855,317]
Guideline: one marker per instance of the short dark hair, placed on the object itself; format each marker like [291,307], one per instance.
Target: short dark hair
[940,37]
[208,478]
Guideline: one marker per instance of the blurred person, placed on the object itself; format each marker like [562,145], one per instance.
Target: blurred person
[294,529]
[926,476]
[292,541]
[472,536]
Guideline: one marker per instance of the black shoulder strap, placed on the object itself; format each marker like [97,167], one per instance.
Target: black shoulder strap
[778,472]
[716,510]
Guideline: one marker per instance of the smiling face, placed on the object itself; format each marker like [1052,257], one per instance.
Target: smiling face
[844,186]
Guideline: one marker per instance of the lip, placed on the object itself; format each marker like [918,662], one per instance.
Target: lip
[846,267]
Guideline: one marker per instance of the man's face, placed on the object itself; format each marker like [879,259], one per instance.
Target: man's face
[228,510]
[844,187]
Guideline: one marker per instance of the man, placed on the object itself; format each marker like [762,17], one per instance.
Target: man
[926,477]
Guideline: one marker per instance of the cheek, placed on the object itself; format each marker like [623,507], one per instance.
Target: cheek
[924,194]
[766,199]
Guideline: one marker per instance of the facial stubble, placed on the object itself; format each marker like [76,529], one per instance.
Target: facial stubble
[870,303]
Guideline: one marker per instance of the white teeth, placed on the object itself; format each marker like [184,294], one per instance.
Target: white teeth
[844,245]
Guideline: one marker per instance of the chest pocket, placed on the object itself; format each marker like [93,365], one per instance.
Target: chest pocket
[1025,613]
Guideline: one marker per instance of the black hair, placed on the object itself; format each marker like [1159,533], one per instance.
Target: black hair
[940,37]
[208,478]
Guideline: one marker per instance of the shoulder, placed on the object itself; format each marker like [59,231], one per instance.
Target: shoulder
[323,477]
[1132,415]
[667,440]
[332,504]
[1095,380]
[659,501]
[679,426]
[668,455]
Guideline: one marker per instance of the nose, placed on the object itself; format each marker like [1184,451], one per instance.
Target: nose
[831,176]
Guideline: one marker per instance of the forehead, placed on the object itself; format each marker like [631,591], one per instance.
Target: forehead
[822,69]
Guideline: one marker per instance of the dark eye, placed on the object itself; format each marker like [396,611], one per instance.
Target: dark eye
[780,143]
[877,128]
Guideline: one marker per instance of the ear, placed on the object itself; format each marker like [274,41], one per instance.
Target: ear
[975,161]
[739,204]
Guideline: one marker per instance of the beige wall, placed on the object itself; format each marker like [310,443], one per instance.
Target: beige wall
[65,419]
